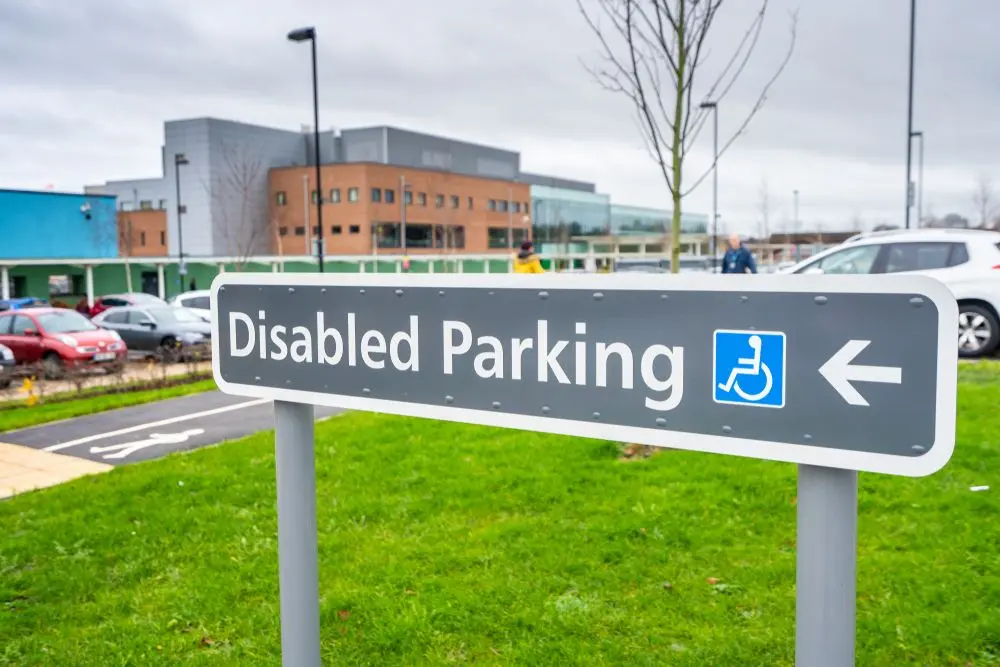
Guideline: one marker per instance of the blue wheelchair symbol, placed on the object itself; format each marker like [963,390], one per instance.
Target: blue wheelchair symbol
[749,368]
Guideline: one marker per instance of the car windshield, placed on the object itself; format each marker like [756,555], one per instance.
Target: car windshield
[175,316]
[64,322]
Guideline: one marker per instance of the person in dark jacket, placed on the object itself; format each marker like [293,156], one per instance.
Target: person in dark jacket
[738,258]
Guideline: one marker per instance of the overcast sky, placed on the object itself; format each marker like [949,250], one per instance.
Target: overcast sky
[87,85]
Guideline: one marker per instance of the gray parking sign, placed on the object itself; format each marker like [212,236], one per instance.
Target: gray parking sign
[836,371]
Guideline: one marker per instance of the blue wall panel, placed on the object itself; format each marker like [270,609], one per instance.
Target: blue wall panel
[52,225]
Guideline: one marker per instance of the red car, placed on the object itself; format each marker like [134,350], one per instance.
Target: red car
[60,339]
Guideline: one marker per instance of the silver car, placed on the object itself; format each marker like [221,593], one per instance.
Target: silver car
[170,332]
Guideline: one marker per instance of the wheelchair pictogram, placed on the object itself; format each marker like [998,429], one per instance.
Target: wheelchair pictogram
[749,368]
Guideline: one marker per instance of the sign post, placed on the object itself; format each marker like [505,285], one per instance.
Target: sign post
[298,563]
[838,374]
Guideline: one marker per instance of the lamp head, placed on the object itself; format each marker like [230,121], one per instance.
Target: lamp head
[302,34]
[180,159]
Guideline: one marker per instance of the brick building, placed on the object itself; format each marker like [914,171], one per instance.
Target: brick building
[366,204]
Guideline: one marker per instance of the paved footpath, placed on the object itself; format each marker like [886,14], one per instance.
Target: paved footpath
[129,435]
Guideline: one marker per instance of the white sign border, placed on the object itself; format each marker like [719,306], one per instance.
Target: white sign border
[820,285]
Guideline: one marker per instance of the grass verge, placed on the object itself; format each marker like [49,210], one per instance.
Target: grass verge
[450,544]
[67,405]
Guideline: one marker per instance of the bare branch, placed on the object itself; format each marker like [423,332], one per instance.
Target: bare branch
[239,199]
[758,105]
[653,52]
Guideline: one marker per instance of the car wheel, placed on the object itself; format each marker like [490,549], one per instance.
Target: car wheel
[52,366]
[978,331]
[169,351]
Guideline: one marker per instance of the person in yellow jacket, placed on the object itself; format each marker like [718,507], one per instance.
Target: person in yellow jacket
[527,261]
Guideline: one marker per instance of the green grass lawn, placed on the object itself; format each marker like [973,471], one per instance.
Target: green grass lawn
[450,544]
[18,415]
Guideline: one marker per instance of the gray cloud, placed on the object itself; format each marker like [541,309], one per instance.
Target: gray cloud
[92,83]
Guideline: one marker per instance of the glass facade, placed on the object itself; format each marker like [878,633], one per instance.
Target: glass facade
[558,215]
[636,220]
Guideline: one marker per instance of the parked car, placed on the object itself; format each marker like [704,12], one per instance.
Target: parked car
[197,301]
[23,302]
[7,363]
[120,300]
[60,339]
[171,332]
[967,261]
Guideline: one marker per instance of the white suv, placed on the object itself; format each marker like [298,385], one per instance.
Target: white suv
[199,301]
[967,261]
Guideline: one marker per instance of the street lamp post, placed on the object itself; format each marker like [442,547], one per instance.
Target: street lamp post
[795,225]
[715,180]
[402,214]
[180,159]
[920,176]
[309,35]
[909,114]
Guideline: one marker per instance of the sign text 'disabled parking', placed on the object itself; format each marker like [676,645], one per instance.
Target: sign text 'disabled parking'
[823,370]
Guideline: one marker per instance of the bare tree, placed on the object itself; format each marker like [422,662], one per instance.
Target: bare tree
[239,197]
[857,221]
[984,199]
[764,208]
[652,51]
[126,245]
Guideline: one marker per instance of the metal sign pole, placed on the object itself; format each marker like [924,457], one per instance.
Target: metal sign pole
[826,567]
[298,567]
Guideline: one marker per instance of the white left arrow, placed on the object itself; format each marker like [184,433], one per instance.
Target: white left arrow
[840,372]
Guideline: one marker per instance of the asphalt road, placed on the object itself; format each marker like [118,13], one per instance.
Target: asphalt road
[153,430]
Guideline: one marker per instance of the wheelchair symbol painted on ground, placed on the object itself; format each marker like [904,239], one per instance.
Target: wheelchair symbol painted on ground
[124,449]
[749,368]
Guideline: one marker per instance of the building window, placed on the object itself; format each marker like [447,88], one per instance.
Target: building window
[163,204]
[125,206]
[439,201]
[455,237]
[376,195]
[455,201]
[517,207]
[315,196]
[316,230]
[502,205]
[390,196]
[146,205]
[163,238]
[497,237]
[300,231]
[471,203]
[355,229]
[387,235]
[422,198]
[352,195]
[142,238]
[520,235]
[493,204]
[336,229]
[282,231]
[335,195]
[280,198]
[407,197]
[527,207]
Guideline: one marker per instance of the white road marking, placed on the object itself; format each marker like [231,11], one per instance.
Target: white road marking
[162,422]
[126,448]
